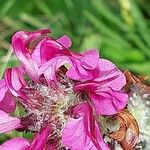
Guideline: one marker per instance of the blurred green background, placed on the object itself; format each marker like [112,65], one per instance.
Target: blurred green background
[120,29]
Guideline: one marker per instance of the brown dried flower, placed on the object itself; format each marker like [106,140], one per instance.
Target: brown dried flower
[136,80]
[128,133]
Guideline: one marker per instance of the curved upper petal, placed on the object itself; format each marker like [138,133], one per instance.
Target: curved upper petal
[50,48]
[26,45]
[26,37]
[83,133]
[24,42]
[15,144]
[75,71]
[8,123]
[33,49]
[90,59]
[29,65]
[65,41]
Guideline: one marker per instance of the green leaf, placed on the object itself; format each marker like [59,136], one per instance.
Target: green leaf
[104,29]
[140,22]
[102,9]
[6,7]
[138,68]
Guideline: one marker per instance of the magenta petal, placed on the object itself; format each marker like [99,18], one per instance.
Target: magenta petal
[41,32]
[39,141]
[8,104]
[72,73]
[49,49]
[14,81]
[120,99]
[83,133]
[79,73]
[8,123]
[49,69]
[87,86]
[105,76]
[83,64]
[36,54]
[30,66]
[90,59]
[25,37]
[21,51]
[108,75]
[20,42]
[3,89]
[15,144]
[110,102]
[65,41]
[74,135]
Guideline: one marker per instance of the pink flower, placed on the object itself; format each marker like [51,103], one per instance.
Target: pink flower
[61,102]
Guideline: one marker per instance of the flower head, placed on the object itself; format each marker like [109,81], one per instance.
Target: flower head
[61,103]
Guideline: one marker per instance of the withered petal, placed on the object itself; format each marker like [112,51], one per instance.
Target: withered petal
[128,133]
[136,80]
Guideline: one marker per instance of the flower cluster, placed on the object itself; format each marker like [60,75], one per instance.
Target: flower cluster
[62,92]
